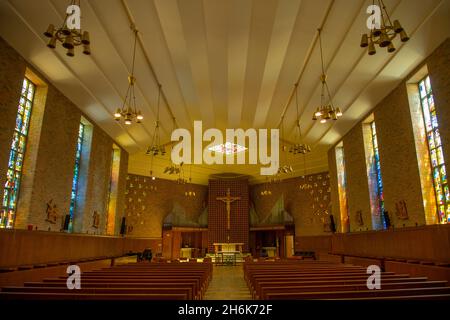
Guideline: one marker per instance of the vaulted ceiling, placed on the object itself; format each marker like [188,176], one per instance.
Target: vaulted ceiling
[229,63]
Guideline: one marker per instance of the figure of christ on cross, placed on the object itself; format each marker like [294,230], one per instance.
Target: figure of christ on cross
[228,199]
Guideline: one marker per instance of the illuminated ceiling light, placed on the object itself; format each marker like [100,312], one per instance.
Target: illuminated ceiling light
[299,147]
[227,148]
[326,110]
[129,111]
[156,148]
[383,31]
[70,33]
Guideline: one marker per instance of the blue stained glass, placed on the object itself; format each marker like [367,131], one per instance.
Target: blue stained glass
[431,140]
[76,170]
[18,123]
[423,92]
[434,121]
[436,176]
[16,155]
[19,162]
[434,161]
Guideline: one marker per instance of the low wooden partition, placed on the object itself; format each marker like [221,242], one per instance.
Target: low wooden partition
[23,247]
[425,243]
[428,243]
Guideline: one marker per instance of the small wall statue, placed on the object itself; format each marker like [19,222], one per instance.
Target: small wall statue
[359,218]
[401,211]
[95,220]
[52,212]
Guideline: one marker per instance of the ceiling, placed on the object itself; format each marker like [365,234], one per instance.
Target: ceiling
[228,63]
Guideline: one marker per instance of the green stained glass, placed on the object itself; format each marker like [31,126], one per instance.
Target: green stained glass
[17,155]
[439,172]
[443,175]
[428,85]
[440,156]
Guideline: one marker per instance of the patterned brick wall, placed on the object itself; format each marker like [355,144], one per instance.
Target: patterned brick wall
[217,213]
[306,199]
[145,209]
[398,152]
[50,154]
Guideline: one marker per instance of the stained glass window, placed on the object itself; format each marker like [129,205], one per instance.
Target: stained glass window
[376,168]
[16,156]
[439,172]
[342,189]
[76,174]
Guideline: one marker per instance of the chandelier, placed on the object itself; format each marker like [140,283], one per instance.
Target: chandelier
[286,168]
[382,31]
[156,148]
[326,110]
[181,179]
[70,34]
[266,191]
[299,147]
[129,111]
[190,192]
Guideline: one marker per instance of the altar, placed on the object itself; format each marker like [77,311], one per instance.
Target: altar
[227,253]
[227,247]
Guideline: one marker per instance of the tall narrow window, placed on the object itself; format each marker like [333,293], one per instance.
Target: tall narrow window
[342,189]
[439,172]
[16,156]
[76,174]
[377,175]
[113,191]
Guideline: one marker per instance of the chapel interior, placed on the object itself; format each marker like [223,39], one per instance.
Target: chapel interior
[224,149]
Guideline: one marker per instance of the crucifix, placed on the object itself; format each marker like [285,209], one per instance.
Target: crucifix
[228,199]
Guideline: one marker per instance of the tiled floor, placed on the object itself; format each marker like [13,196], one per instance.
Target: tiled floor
[228,284]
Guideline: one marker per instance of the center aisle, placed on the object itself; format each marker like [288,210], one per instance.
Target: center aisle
[228,284]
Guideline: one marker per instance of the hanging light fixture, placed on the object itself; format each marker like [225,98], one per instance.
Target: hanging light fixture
[285,168]
[128,112]
[156,148]
[383,31]
[299,147]
[190,191]
[70,33]
[326,111]
[266,189]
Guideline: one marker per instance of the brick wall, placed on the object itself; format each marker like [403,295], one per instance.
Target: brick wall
[239,213]
[50,155]
[397,147]
[306,199]
[145,210]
